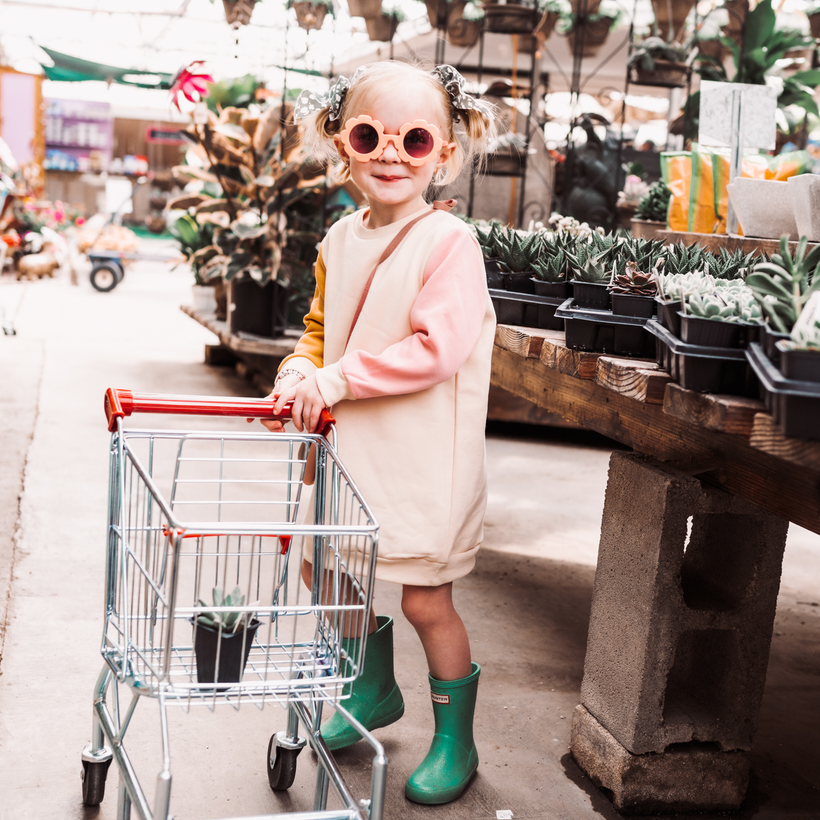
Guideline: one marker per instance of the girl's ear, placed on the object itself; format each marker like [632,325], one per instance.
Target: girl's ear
[445,154]
[337,141]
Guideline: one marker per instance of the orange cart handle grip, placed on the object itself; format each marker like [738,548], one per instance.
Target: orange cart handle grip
[120,403]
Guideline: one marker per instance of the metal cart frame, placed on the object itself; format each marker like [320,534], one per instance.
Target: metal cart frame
[246,493]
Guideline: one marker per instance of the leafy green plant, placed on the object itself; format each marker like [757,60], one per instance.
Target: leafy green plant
[655,204]
[196,242]
[783,286]
[217,618]
[656,48]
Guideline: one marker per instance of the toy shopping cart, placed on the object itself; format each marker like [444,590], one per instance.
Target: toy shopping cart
[204,605]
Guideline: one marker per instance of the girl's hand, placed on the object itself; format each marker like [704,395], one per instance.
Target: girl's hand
[307,403]
[283,384]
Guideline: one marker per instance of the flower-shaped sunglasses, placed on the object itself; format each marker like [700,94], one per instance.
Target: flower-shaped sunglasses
[416,143]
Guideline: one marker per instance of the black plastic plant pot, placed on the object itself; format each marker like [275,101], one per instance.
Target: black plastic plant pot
[562,290]
[508,311]
[630,304]
[795,405]
[668,315]
[695,330]
[603,332]
[591,295]
[495,279]
[261,310]
[799,365]
[704,369]
[520,282]
[769,339]
[233,649]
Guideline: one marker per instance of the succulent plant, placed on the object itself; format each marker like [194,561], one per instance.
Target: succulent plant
[728,302]
[655,204]
[783,286]
[805,337]
[553,265]
[596,270]
[731,264]
[635,282]
[519,251]
[684,259]
[490,237]
[226,621]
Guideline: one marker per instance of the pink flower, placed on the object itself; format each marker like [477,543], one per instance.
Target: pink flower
[192,82]
[80,220]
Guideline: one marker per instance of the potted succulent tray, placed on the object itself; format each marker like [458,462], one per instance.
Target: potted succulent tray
[604,331]
[794,404]
[222,639]
[702,368]
[526,309]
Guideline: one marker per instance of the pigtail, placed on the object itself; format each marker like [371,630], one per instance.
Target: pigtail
[319,131]
[474,131]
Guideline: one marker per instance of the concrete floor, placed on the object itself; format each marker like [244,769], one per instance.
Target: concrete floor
[526,604]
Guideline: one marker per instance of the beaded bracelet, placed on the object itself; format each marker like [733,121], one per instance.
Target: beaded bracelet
[289,372]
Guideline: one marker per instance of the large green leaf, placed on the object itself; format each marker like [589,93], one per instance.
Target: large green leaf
[760,22]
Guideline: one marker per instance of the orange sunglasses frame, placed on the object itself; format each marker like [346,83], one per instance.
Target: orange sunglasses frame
[398,139]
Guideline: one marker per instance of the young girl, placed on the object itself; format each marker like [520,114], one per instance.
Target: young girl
[408,386]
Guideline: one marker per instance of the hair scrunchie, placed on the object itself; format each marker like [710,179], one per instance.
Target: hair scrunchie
[309,102]
[454,83]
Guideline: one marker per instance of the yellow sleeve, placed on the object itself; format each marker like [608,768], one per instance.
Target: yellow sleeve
[311,345]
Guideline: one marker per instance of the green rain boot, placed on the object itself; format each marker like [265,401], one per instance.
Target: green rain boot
[375,699]
[452,760]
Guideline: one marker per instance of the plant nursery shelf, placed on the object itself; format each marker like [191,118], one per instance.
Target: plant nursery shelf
[726,440]
[243,342]
[715,241]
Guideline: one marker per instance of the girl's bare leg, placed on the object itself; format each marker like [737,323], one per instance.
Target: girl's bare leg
[442,633]
[351,622]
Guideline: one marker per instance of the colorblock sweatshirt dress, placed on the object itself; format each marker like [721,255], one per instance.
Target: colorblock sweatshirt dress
[409,391]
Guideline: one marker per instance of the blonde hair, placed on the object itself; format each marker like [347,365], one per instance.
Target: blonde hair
[470,129]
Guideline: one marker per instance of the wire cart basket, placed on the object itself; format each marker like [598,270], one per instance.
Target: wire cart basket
[204,605]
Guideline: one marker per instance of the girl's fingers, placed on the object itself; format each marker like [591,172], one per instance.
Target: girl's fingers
[296,414]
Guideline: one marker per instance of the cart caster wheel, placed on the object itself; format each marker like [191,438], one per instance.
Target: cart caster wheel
[282,771]
[106,277]
[94,775]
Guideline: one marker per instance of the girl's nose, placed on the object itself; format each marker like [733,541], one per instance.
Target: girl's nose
[390,154]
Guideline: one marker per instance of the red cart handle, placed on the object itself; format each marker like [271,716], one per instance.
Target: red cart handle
[120,403]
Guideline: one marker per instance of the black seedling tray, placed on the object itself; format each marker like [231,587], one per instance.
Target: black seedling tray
[605,332]
[795,405]
[701,368]
[526,309]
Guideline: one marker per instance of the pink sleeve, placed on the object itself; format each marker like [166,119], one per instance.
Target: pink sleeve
[446,319]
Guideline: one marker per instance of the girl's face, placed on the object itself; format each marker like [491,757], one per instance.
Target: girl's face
[387,181]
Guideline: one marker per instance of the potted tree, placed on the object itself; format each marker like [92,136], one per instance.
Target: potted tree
[222,637]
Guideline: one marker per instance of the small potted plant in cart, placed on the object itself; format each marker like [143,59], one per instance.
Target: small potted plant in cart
[632,293]
[222,637]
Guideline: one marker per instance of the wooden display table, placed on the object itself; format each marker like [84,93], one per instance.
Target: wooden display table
[730,440]
[688,570]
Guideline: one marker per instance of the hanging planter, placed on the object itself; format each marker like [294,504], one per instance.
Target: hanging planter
[461,32]
[310,16]
[510,18]
[670,17]
[382,28]
[666,74]
[434,8]
[364,8]
[594,33]
[814,25]
[590,8]
[238,12]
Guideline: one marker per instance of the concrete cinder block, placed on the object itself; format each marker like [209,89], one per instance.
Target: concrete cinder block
[682,610]
[691,777]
